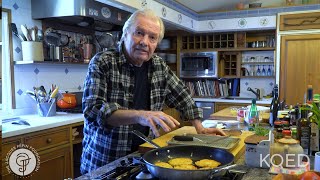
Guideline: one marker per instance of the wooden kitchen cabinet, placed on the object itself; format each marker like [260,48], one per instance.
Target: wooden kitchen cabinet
[299,21]
[299,66]
[54,148]
[55,164]
[229,64]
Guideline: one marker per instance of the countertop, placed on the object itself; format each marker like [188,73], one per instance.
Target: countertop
[38,123]
[262,101]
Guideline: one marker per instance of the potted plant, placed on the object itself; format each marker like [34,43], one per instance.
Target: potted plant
[257,147]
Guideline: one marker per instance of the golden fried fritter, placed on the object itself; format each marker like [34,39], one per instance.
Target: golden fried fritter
[180,161]
[185,167]
[207,163]
[163,164]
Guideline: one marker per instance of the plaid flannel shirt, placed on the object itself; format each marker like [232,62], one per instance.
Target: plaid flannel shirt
[108,87]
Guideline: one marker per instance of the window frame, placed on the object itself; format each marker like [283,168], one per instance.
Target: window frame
[8,95]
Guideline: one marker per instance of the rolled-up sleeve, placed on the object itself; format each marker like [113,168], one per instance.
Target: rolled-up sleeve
[96,109]
[178,96]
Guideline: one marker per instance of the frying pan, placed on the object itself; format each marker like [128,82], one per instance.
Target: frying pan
[196,153]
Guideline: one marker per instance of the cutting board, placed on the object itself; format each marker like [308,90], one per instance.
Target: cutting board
[228,114]
[224,114]
[238,151]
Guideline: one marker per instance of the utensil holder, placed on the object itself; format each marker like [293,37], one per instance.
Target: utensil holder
[43,109]
[32,51]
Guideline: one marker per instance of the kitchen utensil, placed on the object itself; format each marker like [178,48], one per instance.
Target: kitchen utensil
[15,32]
[145,138]
[58,54]
[107,41]
[196,153]
[25,32]
[21,122]
[68,101]
[164,154]
[53,94]
[52,39]
[87,52]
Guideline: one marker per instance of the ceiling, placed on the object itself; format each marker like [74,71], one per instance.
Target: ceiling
[206,6]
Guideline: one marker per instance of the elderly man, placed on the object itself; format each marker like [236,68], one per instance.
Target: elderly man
[127,90]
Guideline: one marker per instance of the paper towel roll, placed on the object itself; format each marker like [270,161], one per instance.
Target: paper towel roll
[32,51]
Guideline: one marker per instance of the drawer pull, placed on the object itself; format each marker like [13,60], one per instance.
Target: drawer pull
[49,140]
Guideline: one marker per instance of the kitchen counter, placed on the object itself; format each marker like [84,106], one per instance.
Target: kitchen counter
[262,101]
[38,123]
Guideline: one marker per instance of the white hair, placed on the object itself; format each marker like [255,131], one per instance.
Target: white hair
[133,18]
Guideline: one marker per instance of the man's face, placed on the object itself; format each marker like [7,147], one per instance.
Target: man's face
[142,40]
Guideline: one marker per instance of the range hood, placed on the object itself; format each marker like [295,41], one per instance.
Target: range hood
[84,13]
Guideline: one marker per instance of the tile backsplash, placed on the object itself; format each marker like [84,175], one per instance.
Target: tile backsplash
[66,77]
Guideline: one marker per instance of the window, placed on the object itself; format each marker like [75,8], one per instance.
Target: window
[7,104]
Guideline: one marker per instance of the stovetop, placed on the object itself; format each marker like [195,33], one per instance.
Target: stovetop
[131,168]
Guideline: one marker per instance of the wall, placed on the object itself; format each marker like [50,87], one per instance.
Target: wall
[71,77]
[67,77]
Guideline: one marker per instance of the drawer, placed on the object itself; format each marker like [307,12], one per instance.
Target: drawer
[7,145]
[48,139]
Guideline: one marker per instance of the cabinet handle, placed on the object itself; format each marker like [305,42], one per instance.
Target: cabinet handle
[49,140]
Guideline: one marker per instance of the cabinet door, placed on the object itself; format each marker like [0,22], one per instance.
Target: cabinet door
[299,66]
[54,165]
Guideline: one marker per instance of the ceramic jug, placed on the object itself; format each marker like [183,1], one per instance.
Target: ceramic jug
[287,152]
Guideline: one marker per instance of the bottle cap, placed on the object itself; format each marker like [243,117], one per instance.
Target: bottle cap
[254,101]
[309,86]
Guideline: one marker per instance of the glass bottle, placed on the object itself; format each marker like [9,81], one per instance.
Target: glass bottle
[253,117]
[274,107]
[309,94]
[304,131]
[315,135]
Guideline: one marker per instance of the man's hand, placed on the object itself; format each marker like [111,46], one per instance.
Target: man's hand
[154,118]
[201,130]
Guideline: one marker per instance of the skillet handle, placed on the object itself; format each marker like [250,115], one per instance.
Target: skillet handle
[145,138]
[215,172]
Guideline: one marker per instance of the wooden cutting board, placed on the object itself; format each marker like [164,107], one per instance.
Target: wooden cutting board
[162,140]
[228,114]
[224,114]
